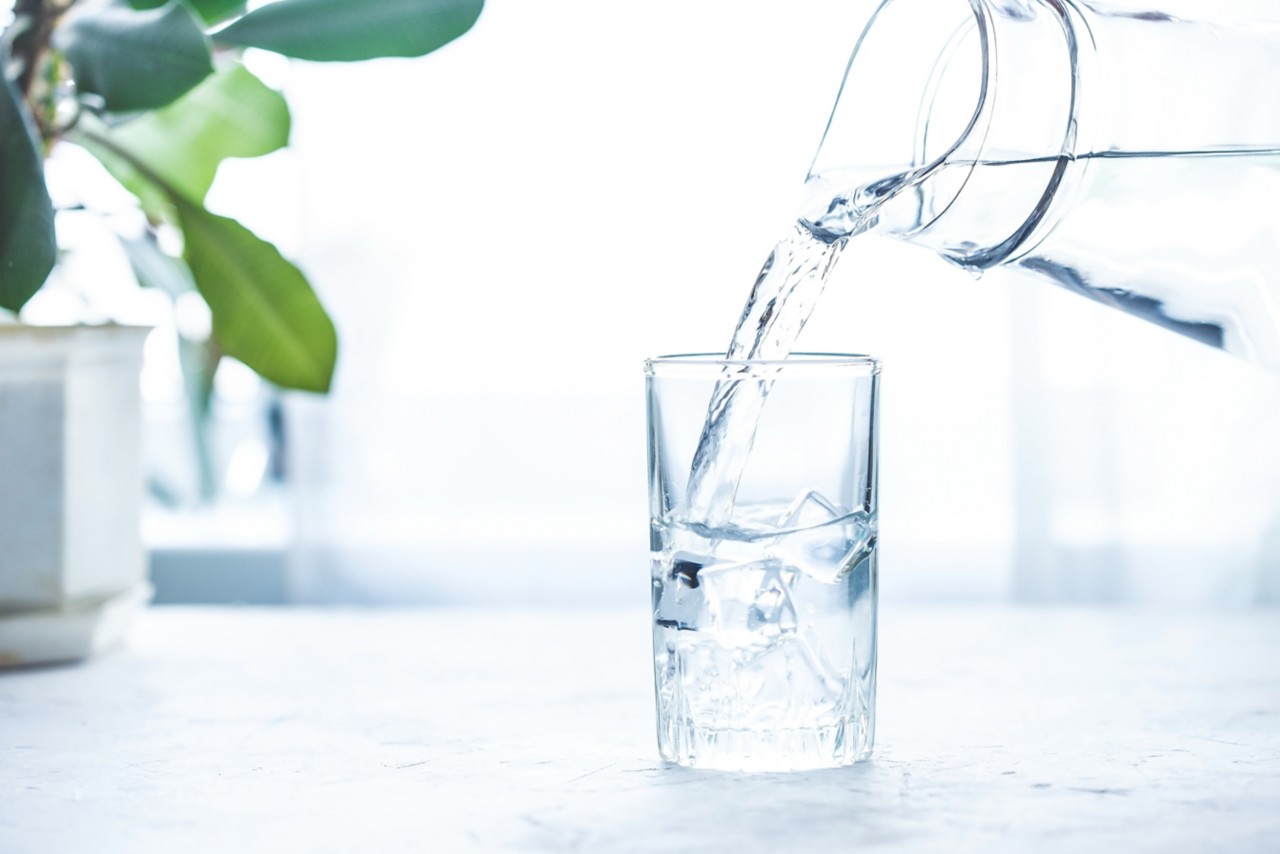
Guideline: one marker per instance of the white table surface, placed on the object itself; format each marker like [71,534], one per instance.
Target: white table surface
[282,731]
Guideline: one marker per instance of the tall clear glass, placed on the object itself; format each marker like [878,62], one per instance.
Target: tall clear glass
[764,625]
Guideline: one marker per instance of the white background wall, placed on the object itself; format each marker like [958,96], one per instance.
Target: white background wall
[505,229]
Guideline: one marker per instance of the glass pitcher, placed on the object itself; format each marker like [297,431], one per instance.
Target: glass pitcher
[1128,154]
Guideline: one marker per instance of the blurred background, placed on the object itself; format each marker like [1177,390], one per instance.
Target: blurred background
[503,231]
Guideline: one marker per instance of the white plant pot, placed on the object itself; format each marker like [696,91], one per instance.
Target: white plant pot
[72,565]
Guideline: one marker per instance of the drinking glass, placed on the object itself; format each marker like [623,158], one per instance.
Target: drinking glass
[764,582]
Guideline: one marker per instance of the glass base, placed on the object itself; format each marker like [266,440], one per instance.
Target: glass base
[765,750]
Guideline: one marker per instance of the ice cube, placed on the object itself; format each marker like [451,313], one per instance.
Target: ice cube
[684,567]
[822,543]
[773,611]
[750,603]
[809,509]
[679,602]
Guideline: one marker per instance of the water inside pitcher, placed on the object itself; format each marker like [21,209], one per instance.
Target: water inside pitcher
[1128,154]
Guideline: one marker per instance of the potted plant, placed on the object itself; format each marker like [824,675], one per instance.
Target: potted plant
[157,93]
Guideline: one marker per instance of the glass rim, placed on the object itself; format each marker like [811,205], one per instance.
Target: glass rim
[796,361]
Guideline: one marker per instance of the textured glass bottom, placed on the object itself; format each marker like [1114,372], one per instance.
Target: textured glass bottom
[765,750]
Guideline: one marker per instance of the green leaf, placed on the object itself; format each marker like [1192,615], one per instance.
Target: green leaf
[346,30]
[210,11]
[264,312]
[135,60]
[27,246]
[231,114]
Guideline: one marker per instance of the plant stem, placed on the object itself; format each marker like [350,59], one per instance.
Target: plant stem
[32,44]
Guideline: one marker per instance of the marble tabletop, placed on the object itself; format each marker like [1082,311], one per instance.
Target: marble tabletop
[277,730]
